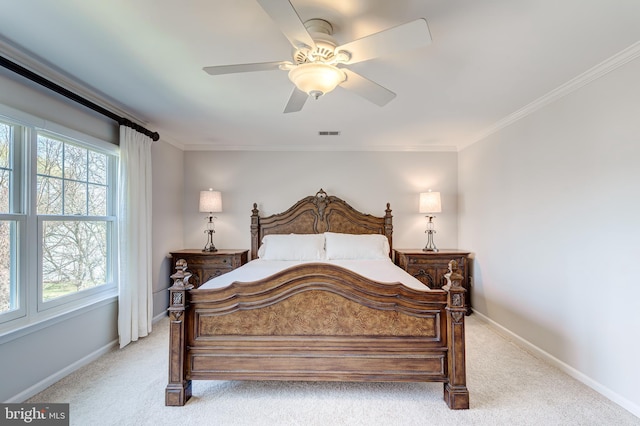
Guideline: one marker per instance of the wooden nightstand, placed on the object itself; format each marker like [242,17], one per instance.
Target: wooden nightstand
[205,265]
[430,267]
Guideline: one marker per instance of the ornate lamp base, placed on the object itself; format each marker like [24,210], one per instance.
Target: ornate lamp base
[209,247]
[430,245]
[430,231]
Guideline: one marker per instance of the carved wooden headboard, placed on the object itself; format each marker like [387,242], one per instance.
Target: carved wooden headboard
[316,214]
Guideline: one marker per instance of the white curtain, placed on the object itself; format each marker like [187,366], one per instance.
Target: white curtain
[135,301]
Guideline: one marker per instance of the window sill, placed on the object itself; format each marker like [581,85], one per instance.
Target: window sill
[21,327]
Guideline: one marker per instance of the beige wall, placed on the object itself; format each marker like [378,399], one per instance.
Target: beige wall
[276,180]
[550,205]
[168,183]
[23,95]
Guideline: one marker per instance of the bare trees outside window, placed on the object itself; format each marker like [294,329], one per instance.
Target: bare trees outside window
[72,188]
[7,226]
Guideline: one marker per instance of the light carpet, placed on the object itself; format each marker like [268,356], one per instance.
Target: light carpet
[507,386]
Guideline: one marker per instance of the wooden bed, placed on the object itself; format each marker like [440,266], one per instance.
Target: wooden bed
[317,322]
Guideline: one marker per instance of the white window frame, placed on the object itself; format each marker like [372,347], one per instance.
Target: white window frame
[109,219]
[32,310]
[17,216]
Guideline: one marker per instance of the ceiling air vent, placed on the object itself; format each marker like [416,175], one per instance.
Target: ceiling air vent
[328,133]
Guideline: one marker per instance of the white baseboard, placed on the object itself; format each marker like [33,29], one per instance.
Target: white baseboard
[547,357]
[59,375]
[159,317]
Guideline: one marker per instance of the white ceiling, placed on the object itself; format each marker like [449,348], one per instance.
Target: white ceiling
[488,60]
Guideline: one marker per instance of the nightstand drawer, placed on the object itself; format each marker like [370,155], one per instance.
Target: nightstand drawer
[207,265]
[221,262]
[430,276]
[430,268]
[432,271]
[209,272]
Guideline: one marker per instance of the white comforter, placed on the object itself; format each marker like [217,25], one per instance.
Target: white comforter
[378,270]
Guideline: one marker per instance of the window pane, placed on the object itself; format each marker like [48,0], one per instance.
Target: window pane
[8,293]
[97,168]
[5,175]
[75,163]
[49,195]
[49,156]
[75,198]
[97,200]
[74,257]
[83,187]
[5,145]
[5,167]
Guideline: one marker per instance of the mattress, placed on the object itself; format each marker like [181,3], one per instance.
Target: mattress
[382,270]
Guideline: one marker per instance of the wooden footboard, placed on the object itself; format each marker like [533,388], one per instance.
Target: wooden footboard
[317,322]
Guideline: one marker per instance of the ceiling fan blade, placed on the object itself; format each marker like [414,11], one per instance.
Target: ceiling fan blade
[407,36]
[296,101]
[366,88]
[286,17]
[232,69]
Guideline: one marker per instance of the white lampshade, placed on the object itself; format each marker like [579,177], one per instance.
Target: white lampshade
[430,202]
[316,79]
[210,201]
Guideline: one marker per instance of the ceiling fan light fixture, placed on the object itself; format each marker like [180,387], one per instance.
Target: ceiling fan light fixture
[316,79]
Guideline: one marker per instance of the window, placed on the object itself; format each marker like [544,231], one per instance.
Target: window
[57,221]
[73,209]
[8,243]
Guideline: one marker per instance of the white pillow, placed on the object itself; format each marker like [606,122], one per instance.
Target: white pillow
[292,247]
[352,246]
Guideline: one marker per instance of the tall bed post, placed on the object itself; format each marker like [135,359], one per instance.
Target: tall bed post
[178,390]
[255,227]
[388,226]
[456,393]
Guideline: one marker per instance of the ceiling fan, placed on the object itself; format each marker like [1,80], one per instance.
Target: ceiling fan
[319,64]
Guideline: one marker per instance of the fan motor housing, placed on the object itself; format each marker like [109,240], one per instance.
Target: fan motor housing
[321,31]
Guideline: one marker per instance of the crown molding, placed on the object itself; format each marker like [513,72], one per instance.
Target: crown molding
[603,68]
[166,137]
[318,148]
[48,71]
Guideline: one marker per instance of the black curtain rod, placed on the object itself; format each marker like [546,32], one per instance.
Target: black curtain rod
[75,97]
